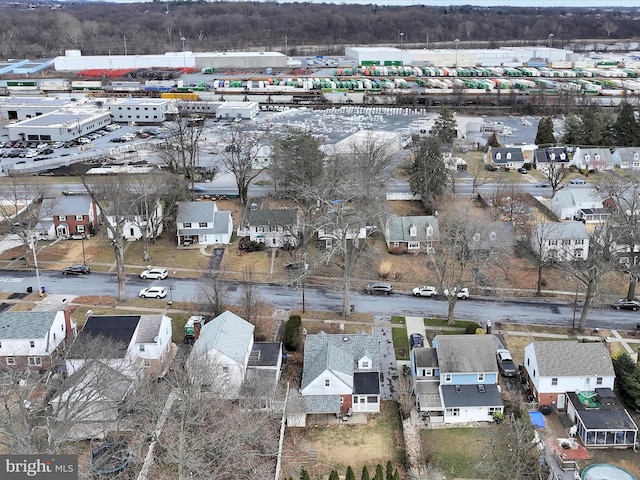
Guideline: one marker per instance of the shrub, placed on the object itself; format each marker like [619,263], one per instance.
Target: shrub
[384,270]
[292,333]
[471,328]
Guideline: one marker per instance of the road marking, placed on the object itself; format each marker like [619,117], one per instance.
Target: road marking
[11,279]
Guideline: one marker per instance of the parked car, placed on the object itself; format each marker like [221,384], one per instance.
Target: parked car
[32,153]
[416,340]
[625,304]
[155,274]
[578,181]
[153,292]
[379,287]
[543,185]
[523,170]
[505,363]
[76,270]
[463,294]
[425,291]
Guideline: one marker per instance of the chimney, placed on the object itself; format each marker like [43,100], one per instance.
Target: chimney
[69,326]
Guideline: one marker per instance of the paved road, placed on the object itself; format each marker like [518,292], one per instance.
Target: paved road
[524,311]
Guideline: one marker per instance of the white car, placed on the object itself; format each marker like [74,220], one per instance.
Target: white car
[155,274]
[425,291]
[153,292]
[32,153]
[463,294]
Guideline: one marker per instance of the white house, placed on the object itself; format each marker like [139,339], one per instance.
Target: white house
[137,225]
[560,240]
[627,158]
[556,367]
[566,203]
[34,340]
[275,228]
[593,159]
[203,224]
[221,354]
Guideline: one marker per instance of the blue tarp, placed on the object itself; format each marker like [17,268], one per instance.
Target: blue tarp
[537,419]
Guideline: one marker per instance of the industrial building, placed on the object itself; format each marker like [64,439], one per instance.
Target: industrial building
[139,110]
[233,110]
[61,125]
[23,108]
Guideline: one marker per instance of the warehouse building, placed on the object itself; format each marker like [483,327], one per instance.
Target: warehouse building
[60,126]
[233,110]
[23,108]
[139,110]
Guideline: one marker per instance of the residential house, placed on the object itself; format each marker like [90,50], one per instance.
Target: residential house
[341,374]
[67,216]
[338,225]
[593,159]
[468,376]
[137,224]
[560,240]
[221,353]
[275,228]
[506,158]
[34,340]
[627,158]
[202,223]
[411,234]
[426,380]
[554,368]
[567,203]
[262,375]
[554,158]
[492,237]
[138,346]
[328,236]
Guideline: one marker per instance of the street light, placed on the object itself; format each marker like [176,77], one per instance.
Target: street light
[401,35]
[184,55]
[457,41]
[84,258]
[550,40]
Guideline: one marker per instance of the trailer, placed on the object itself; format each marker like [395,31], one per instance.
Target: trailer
[192,328]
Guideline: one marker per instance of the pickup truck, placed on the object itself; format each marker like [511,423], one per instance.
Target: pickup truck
[505,363]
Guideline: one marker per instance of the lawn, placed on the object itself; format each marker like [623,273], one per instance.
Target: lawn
[458,452]
[339,446]
[400,343]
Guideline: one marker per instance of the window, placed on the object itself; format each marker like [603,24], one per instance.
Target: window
[146,363]
[62,218]
[341,401]
[225,369]
[508,155]
[79,217]
[327,382]
[32,343]
[372,399]
[186,225]
[365,364]
[453,412]
[598,380]
[554,381]
[142,348]
[447,378]
[202,224]
[413,231]
[498,156]
[553,242]
[494,410]
[481,377]
[11,361]
[80,228]
[35,361]
[413,245]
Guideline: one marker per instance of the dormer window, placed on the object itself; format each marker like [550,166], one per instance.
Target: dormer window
[552,157]
[498,156]
[327,383]
[509,156]
[587,158]
[429,231]
[636,156]
[413,230]
[596,157]
[563,156]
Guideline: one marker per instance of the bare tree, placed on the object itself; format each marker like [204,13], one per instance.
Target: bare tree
[557,172]
[213,293]
[242,149]
[541,233]
[406,400]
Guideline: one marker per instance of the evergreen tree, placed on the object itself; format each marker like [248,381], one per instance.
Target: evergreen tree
[304,475]
[389,472]
[493,140]
[334,475]
[396,475]
[428,176]
[628,379]
[350,475]
[365,474]
[445,127]
[626,129]
[379,473]
[545,136]
[572,127]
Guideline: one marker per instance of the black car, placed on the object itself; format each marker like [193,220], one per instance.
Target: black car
[416,340]
[625,304]
[76,270]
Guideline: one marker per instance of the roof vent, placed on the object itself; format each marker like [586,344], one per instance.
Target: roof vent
[458,389]
[481,388]
[345,339]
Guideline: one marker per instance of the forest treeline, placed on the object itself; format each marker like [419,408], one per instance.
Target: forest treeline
[294,29]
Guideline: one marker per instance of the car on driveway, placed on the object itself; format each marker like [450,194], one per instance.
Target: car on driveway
[155,274]
[506,364]
[463,294]
[153,292]
[425,291]
[379,287]
[416,340]
[76,270]
[624,304]
[578,181]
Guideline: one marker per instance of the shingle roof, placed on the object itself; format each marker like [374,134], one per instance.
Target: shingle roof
[339,353]
[25,325]
[148,328]
[72,205]
[282,217]
[516,155]
[196,211]
[544,155]
[561,231]
[221,222]
[470,396]
[117,328]
[397,228]
[571,197]
[570,359]
[466,353]
[425,357]
[228,334]
[322,403]
[268,355]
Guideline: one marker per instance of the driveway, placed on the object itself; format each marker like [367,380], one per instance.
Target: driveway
[388,366]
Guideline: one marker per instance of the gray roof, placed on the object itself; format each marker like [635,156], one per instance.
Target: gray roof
[471,396]
[267,354]
[25,325]
[282,217]
[71,205]
[466,353]
[610,416]
[561,231]
[551,154]
[322,403]
[228,334]
[573,197]
[339,353]
[425,357]
[148,328]
[397,228]
[196,211]
[221,222]
[516,155]
[628,154]
[605,154]
[570,359]
[498,234]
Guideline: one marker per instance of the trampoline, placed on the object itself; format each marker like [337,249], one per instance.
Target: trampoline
[606,471]
[109,458]
[537,419]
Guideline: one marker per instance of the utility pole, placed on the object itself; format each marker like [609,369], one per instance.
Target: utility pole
[35,264]
[125,44]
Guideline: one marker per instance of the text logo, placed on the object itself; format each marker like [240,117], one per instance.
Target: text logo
[39,467]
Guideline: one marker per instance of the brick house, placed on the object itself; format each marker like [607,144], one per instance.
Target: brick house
[67,216]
